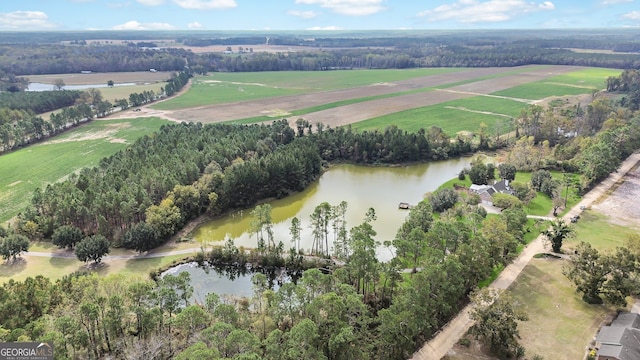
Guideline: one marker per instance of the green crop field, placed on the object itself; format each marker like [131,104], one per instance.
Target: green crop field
[574,83]
[232,87]
[452,116]
[36,166]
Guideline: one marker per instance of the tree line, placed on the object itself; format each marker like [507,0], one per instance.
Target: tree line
[19,126]
[369,52]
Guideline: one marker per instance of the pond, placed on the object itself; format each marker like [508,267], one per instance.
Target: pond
[34,86]
[231,281]
[362,187]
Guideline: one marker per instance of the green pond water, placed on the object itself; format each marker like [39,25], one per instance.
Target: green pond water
[362,187]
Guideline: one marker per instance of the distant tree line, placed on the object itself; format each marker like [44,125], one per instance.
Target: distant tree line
[62,59]
[393,52]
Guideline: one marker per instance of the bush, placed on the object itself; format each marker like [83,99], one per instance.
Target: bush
[443,199]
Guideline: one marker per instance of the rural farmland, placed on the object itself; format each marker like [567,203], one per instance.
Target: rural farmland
[292,159]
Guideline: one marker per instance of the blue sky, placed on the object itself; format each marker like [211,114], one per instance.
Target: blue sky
[315,14]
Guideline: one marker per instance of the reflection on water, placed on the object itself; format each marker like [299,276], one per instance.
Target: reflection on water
[362,187]
[231,281]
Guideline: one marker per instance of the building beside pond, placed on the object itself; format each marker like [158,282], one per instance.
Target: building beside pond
[486,192]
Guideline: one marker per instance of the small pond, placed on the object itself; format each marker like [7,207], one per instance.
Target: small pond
[362,187]
[227,281]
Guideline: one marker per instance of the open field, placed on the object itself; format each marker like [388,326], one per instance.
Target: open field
[36,166]
[234,87]
[560,324]
[419,95]
[57,267]
[452,116]
[574,83]
[102,78]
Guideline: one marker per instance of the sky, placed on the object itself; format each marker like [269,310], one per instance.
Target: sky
[65,15]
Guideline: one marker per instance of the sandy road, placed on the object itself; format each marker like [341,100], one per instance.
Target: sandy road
[438,347]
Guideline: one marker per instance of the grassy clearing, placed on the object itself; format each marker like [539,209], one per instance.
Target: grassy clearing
[55,159]
[452,116]
[573,83]
[596,229]
[56,268]
[560,324]
[123,92]
[102,78]
[232,87]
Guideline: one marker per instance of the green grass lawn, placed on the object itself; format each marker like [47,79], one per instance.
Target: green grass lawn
[560,324]
[36,166]
[452,116]
[573,83]
[56,268]
[593,227]
[231,87]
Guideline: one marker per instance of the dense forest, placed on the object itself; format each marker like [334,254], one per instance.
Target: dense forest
[71,53]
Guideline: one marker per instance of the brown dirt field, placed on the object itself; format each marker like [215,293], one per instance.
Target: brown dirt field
[366,110]
[621,205]
[102,78]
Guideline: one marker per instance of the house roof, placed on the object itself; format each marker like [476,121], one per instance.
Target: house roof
[627,319]
[503,187]
[610,334]
[621,340]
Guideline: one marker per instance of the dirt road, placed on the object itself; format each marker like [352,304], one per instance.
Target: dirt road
[438,347]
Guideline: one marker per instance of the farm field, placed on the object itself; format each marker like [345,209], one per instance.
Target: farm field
[453,116]
[418,95]
[103,78]
[574,83]
[234,87]
[36,166]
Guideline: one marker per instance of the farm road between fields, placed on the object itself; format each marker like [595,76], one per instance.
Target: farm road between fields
[489,80]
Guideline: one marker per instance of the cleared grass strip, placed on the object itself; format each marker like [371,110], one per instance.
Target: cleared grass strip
[36,166]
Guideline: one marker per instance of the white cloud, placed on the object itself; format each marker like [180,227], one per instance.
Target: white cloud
[194,25]
[25,20]
[151,2]
[134,25]
[206,4]
[614,2]
[634,15]
[475,11]
[303,14]
[348,7]
[316,28]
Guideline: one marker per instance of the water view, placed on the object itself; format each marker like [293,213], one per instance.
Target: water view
[362,187]
[233,281]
